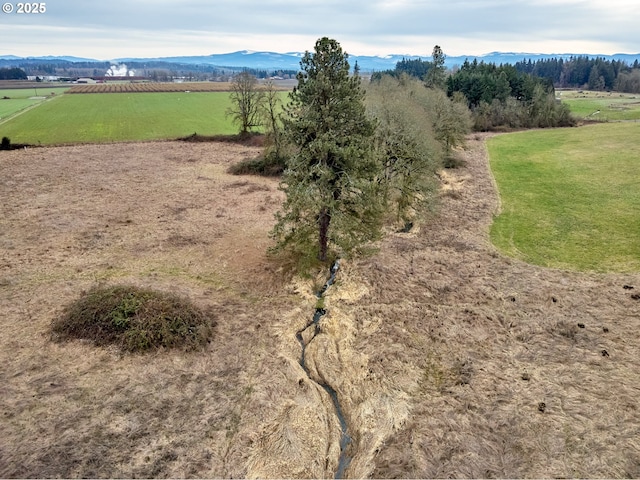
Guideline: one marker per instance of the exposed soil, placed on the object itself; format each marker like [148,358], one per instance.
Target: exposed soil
[448,358]
[151,87]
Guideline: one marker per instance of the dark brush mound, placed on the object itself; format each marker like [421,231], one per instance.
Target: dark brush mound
[249,139]
[134,319]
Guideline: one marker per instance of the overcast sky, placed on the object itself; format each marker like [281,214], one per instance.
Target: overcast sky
[108,29]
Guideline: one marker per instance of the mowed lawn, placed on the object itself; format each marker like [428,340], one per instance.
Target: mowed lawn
[570,197]
[96,118]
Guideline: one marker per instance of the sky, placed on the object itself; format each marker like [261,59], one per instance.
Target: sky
[111,29]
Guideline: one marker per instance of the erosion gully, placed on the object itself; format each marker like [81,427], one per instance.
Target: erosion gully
[345,439]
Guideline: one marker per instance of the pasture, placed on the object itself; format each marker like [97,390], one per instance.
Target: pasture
[124,113]
[570,197]
[102,118]
[13,101]
[449,358]
[602,106]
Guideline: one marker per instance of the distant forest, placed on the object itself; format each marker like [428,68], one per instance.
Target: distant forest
[584,72]
[593,73]
[14,73]
[159,71]
[576,72]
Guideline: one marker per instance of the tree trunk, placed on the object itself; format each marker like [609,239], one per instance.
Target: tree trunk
[324,219]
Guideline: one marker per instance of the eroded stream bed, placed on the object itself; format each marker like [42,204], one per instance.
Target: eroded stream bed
[345,439]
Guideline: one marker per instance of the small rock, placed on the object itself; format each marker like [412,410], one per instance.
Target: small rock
[605,329]
[627,287]
[604,353]
[580,325]
[526,376]
[636,296]
[542,407]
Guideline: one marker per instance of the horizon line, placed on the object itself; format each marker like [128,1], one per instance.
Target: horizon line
[291,53]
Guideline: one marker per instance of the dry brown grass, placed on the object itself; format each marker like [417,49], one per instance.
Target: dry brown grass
[492,338]
[155,215]
[440,349]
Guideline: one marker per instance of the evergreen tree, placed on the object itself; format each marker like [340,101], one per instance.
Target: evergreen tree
[331,181]
[596,81]
[12,74]
[436,76]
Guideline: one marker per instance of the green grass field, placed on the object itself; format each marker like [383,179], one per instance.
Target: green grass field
[602,106]
[96,118]
[570,197]
[13,101]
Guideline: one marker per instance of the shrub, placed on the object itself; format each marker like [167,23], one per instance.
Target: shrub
[134,319]
[5,144]
[266,165]
[249,139]
[406,140]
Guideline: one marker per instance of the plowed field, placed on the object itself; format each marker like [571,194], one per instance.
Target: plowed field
[151,87]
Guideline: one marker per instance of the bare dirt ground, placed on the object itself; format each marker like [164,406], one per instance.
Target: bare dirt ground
[449,359]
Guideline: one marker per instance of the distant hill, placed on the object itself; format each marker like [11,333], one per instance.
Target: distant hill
[272,60]
[49,58]
[291,60]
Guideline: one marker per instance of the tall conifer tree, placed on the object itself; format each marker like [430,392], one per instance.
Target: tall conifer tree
[331,182]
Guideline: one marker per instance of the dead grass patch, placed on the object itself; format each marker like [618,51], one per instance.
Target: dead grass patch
[154,216]
[494,338]
[440,349]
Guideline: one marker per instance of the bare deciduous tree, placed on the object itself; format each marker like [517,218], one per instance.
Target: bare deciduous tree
[246,99]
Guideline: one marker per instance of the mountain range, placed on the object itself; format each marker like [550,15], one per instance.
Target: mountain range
[291,60]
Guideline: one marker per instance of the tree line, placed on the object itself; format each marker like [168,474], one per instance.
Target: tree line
[502,96]
[580,71]
[155,70]
[584,72]
[14,73]
[498,96]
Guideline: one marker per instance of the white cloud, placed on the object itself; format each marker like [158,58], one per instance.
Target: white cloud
[130,28]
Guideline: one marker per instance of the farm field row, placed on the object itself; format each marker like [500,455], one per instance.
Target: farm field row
[151,87]
[570,197]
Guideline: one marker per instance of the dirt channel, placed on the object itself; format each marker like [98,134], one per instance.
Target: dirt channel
[448,358]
